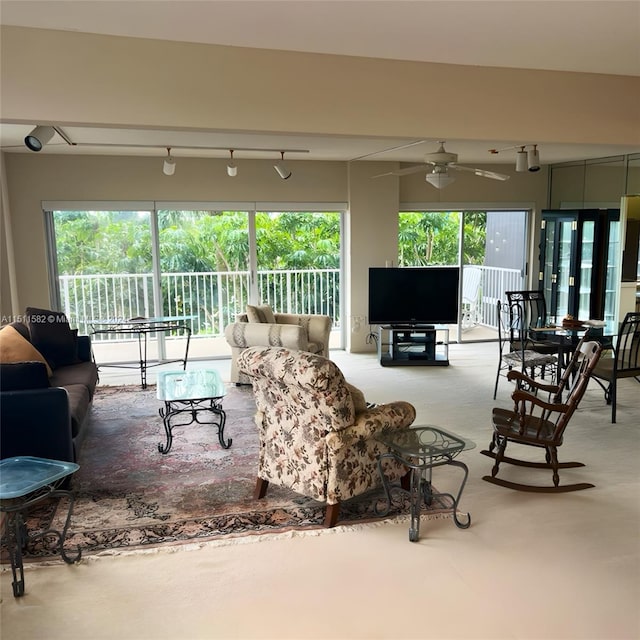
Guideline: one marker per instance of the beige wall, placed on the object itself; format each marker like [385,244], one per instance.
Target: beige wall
[74,78]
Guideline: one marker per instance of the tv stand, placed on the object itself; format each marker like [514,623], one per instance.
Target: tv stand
[413,345]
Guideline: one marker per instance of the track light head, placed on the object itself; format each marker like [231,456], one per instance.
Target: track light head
[533,159]
[521,160]
[439,177]
[232,168]
[39,137]
[281,169]
[169,166]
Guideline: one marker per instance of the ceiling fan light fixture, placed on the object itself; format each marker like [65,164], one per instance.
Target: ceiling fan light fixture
[169,166]
[439,178]
[522,163]
[533,159]
[281,169]
[232,167]
[39,137]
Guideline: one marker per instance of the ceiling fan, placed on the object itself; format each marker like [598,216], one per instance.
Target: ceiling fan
[442,161]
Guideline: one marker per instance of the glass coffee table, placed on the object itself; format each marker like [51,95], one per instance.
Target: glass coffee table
[421,449]
[196,393]
[26,481]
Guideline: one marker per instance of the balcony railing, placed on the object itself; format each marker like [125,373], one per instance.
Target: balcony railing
[211,300]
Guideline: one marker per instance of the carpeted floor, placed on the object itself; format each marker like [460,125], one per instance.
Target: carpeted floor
[129,495]
[531,566]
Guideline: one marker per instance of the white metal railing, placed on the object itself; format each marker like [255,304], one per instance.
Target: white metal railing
[493,284]
[211,300]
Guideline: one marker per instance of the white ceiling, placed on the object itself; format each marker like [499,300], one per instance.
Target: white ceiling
[566,35]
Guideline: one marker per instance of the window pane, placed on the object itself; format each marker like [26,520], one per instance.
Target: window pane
[298,258]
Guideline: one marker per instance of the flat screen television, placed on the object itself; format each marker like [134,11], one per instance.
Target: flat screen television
[413,295]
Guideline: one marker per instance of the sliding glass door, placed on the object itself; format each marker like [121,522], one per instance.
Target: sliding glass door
[488,246]
[298,261]
[201,264]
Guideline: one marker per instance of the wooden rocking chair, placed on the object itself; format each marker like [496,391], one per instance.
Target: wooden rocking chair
[541,423]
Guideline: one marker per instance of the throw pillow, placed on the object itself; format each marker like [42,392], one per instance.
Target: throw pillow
[262,313]
[52,336]
[14,348]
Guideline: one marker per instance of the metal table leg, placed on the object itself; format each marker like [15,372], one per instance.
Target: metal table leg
[421,490]
[18,537]
[174,408]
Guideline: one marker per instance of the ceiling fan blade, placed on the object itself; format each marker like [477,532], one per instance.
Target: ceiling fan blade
[481,172]
[398,148]
[404,172]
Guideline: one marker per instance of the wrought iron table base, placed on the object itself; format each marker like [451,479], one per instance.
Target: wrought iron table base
[421,490]
[173,408]
[18,537]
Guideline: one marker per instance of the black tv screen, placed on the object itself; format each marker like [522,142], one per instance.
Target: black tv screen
[413,295]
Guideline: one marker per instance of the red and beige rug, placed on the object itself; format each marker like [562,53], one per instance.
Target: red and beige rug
[130,496]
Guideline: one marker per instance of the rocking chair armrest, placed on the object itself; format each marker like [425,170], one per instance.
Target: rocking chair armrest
[519,396]
[523,377]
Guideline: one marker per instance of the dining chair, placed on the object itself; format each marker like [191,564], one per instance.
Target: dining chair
[623,361]
[512,352]
[537,422]
[528,311]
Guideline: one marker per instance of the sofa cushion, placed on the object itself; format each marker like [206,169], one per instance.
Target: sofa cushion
[52,336]
[15,376]
[260,313]
[84,373]
[14,348]
[314,347]
[79,402]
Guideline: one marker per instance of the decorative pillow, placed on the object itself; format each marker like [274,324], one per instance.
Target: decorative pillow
[262,313]
[14,348]
[359,403]
[52,336]
[22,329]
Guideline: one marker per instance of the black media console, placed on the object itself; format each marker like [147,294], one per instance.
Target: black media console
[413,345]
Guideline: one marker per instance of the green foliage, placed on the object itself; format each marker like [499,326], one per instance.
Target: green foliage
[101,242]
[431,237]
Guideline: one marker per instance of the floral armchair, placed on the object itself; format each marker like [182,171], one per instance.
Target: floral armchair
[317,434]
[261,327]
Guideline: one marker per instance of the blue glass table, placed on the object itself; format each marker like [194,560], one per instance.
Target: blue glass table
[195,392]
[24,482]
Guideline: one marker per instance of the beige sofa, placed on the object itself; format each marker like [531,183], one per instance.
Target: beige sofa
[299,332]
[317,433]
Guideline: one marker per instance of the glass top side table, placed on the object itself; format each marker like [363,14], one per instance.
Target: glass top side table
[194,392]
[421,449]
[24,482]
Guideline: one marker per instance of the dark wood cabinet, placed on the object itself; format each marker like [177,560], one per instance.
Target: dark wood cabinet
[580,262]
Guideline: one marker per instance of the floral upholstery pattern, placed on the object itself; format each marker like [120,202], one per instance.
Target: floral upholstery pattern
[312,440]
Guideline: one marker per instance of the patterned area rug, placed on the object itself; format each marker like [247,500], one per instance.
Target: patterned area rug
[131,496]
